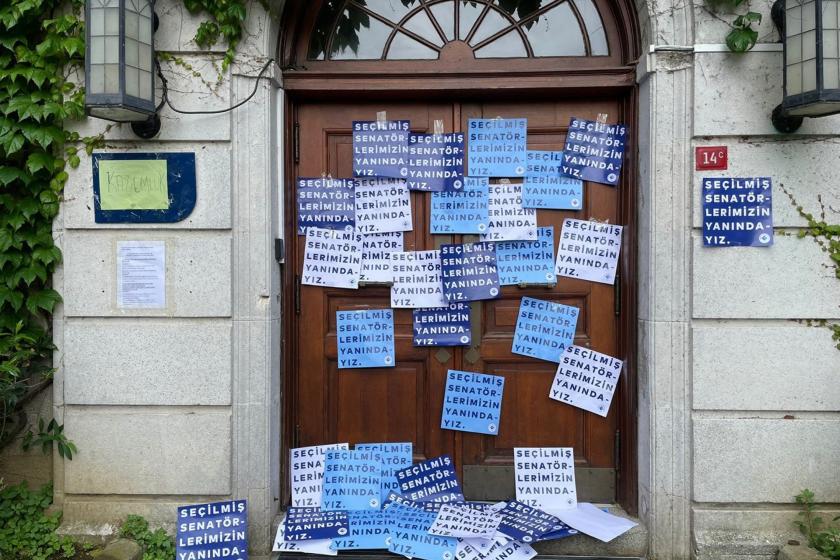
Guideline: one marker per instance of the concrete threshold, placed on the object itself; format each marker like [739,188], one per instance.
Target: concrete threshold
[632,545]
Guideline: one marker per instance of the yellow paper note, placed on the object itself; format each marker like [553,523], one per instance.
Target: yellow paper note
[133,184]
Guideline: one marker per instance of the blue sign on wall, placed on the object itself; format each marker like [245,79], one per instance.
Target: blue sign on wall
[472,402]
[737,211]
[365,338]
[527,262]
[594,151]
[497,147]
[431,480]
[380,148]
[325,203]
[352,480]
[216,530]
[466,211]
[469,271]
[180,188]
[545,187]
[442,326]
[435,162]
[544,329]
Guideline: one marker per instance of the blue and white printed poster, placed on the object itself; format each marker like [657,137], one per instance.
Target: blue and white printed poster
[545,187]
[377,249]
[435,162]
[586,379]
[306,524]
[306,465]
[526,524]
[408,528]
[442,326]
[380,148]
[431,480]
[527,262]
[321,546]
[215,530]
[326,203]
[456,520]
[417,280]
[545,477]
[465,211]
[476,183]
[472,402]
[365,338]
[368,530]
[737,211]
[394,457]
[594,151]
[469,272]
[509,220]
[544,329]
[497,147]
[588,250]
[352,480]
[382,205]
[331,258]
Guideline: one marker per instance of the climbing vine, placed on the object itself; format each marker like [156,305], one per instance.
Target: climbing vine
[227,18]
[827,236]
[741,37]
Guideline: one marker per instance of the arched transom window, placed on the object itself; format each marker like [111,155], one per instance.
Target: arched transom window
[422,29]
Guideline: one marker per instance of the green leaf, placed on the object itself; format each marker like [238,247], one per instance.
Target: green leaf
[741,40]
[10,174]
[39,160]
[43,299]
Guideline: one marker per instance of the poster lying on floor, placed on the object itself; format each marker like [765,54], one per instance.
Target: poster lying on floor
[352,480]
[368,530]
[306,465]
[394,457]
[215,530]
[306,524]
[431,480]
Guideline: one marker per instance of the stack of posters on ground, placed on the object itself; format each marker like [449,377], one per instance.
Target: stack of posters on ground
[373,498]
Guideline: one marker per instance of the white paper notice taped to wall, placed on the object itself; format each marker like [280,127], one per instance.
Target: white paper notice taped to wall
[141,274]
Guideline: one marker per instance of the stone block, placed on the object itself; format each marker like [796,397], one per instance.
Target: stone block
[148,451]
[766,367]
[120,549]
[187,92]
[756,460]
[213,196]
[799,552]
[790,280]
[711,27]
[802,167]
[148,362]
[735,93]
[198,273]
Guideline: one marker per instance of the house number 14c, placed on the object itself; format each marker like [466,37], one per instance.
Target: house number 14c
[711,157]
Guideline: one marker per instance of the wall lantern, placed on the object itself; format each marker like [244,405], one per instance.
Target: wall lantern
[810,32]
[119,63]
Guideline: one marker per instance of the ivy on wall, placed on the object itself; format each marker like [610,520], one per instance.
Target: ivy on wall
[741,37]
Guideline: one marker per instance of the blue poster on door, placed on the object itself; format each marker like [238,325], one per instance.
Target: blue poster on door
[497,147]
[544,329]
[476,183]
[737,211]
[368,530]
[215,530]
[442,326]
[351,480]
[432,480]
[594,151]
[466,211]
[380,148]
[472,402]
[545,187]
[394,457]
[435,162]
[326,203]
[469,271]
[365,338]
[527,262]
[307,524]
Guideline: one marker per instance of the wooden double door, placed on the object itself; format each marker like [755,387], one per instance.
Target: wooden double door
[404,403]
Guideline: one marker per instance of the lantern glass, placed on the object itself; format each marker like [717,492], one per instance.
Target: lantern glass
[831,43]
[120,65]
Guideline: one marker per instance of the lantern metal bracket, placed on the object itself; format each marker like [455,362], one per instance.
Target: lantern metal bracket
[777,14]
[783,122]
[147,129]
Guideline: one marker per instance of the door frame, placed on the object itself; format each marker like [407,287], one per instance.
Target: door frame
[306,91]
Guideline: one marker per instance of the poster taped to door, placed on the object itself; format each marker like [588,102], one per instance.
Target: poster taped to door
[465,211]
[365,338]
[382,205]
[326,203]
[545,477]
[417,280]
[509,221]
[497,147]
[380,148]
[376,256]
[545,187]
[442,326]
[594,151]
[586,379]
[527,262]
[331,258]
[588,250]
[435,162]
[544,329]
[469,272]
[472,402]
